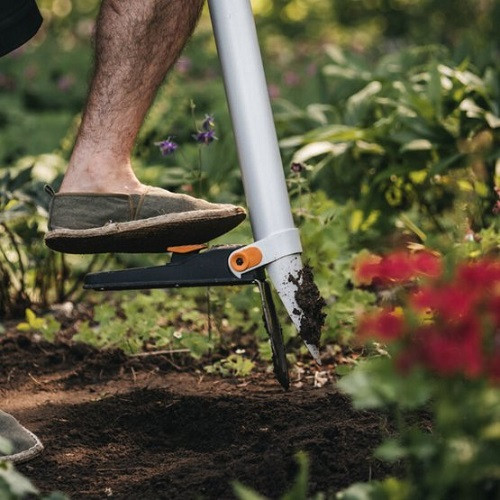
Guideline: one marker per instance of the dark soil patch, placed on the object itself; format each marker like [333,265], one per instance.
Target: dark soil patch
[311,303]
[140,429]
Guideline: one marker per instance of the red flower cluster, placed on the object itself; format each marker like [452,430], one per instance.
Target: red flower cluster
[398,267]
[463,336]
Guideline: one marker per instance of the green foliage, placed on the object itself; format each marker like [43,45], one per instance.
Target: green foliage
[16,486]
[298,490]
[371,385]
[13,485]
[422,372]
[388,489]
[157,319]
[47,325]
[29,271]
[399,136]
[234,365]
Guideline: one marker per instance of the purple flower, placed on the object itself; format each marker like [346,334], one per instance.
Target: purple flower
[291,79]
[205,137]
[65,82]
[274,91]
[183,65]
[297,168]
[208,123]
[167,146]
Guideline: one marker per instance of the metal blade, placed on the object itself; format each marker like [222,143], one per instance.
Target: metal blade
[275,335]
[284,275]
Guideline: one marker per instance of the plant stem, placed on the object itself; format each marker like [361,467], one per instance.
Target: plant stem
[18,252]
[12,273]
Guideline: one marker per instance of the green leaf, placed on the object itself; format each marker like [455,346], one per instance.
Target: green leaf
[358,104]
[299,489]
[417,145]
[344,369]
[318,148]
[18,485]
[5,446]
[492,120]
[374,383]
[391,450]
[449,162]
[244,493]
[471,109]
[362,491]
[103,313]
[434,89]
[335,133]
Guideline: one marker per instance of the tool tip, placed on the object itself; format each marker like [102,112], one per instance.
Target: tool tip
[314,350]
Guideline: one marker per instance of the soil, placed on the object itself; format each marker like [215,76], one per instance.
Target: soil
[311,304]
[144,428]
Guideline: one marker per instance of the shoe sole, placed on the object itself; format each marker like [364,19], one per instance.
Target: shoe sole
[152,235]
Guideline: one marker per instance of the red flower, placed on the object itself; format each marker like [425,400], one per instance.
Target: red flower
[385,325]
[397,267]
[479,275]
[366,268]
[494,368]
[494,309]
[454,349]
[448,302]
[427,264]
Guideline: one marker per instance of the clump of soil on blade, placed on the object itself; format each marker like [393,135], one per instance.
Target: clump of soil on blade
[311,303]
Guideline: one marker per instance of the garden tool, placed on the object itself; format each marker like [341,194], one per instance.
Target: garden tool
[277,247]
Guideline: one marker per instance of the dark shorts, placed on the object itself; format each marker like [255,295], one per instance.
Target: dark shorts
[19,21]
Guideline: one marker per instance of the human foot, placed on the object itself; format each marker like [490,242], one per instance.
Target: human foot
[148,222]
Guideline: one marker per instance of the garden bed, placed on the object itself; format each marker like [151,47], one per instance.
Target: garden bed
[141,428]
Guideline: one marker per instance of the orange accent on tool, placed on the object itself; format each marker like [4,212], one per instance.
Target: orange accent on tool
[249,257]
[186,248]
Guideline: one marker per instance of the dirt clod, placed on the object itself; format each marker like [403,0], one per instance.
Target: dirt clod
[311,303]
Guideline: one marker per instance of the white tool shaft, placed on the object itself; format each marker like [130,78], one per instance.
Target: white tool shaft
[256,141]
[251,114]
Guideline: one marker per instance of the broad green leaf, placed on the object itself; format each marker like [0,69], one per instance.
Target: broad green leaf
[417,145]
[359,103]
[373,384]
[244,493]
[19,485]
[452,161]
[335,133]
[492,120]
[362,491]
[292,142]
[318,148]
[434,90]
[318,112]
[471,109]
[370,148]
[391,450]
[299,489]
[5,446]
[345,72]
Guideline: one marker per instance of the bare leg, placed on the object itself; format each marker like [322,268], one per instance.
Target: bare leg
[137,41]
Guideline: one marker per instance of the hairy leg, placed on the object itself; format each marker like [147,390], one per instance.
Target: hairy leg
[137,41]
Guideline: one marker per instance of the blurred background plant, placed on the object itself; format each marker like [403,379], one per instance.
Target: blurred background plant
[443,359]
